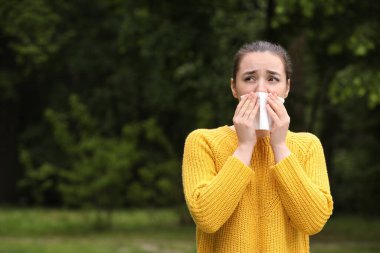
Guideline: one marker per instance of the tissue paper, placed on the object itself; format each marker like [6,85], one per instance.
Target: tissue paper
[262,120]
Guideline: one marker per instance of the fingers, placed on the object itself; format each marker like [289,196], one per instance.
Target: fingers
[277,111]
[255,109]
[242,102]
[250,107]
[276,105]
[273,115]
[246,105]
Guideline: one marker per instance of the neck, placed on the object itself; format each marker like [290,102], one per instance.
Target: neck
[262,133]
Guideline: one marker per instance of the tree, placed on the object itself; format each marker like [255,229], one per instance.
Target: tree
[100,172]
[341,63]
[163,69]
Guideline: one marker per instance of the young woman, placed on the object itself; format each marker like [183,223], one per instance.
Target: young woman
[252,190]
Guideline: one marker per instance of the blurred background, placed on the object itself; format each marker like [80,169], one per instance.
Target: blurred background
[97,98]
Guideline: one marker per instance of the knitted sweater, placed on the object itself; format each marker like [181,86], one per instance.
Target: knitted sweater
[265,207]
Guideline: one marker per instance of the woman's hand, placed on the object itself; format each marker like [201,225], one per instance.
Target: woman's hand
[280,126]
[244,125]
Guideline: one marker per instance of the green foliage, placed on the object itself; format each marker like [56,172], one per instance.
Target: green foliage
[147,73]
[33,29]
[356,82]
[356,171]
[103,172]
[41,180]
[354,67]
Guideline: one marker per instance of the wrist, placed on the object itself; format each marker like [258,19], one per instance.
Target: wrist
[280,152]
[279,147]
[244,153]
[245,147]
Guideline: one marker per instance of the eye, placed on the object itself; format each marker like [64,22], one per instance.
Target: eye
[249,79]
[273,79]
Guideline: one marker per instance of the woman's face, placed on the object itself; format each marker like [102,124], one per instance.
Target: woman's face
[260,71]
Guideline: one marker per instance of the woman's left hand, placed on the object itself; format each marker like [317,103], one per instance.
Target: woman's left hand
[280,126]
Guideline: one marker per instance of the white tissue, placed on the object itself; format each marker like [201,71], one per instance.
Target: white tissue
[262,120]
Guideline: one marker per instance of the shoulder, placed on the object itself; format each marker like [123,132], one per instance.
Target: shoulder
[304,140]
[208,135]
[304,137]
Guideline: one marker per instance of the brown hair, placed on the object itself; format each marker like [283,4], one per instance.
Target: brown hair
[262,46]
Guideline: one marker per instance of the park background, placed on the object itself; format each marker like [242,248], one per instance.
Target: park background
[97,98]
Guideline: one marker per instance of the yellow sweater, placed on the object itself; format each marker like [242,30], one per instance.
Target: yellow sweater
[264,208]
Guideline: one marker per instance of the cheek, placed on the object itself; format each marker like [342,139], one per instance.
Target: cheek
[242,88]
[279,89]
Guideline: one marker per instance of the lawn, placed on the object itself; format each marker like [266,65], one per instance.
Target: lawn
[147,231]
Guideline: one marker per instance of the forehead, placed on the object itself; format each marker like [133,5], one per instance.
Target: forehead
[261,61]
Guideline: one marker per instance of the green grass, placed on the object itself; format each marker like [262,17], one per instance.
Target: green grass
[147,231]
[46,222]
[94,244]
[348,234]
[61,231]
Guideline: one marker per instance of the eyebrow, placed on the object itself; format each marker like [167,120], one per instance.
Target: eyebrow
[273,73]
[268,71]
[250,72]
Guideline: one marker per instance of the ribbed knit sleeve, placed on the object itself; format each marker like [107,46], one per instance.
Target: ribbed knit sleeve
[211,195]
[304,188]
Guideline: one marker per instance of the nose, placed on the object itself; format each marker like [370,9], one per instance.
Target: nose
[261,86]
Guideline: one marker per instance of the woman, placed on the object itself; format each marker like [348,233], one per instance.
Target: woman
[251,190]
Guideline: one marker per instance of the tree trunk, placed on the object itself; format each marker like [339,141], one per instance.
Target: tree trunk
[269,16]
[8,152]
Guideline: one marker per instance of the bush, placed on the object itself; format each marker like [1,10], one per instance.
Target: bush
[97,171]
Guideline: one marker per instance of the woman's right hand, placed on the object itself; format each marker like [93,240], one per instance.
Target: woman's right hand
[244,126]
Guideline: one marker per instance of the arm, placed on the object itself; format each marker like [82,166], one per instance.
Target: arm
[211,196]
[304,189]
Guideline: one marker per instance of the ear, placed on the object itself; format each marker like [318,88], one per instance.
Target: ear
[287,88]
[233,88]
